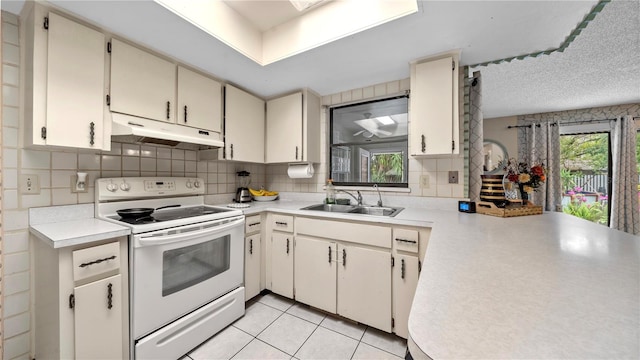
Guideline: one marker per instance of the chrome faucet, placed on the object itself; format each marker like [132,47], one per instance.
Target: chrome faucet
[375,186]
[357,199]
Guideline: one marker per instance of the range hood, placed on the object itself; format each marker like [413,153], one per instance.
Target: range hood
[129,128]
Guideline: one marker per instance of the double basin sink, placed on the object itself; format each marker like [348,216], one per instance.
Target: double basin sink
[355,209]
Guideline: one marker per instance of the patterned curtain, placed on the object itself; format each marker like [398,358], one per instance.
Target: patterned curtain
[476,138]
[539,143]
[624,197]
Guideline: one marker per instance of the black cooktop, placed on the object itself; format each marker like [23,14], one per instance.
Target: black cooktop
[170,214]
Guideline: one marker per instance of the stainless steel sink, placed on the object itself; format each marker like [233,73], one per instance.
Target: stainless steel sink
[376,210]
[330,208]
[351,209]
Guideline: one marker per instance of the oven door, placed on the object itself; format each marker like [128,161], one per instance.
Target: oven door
[177,270]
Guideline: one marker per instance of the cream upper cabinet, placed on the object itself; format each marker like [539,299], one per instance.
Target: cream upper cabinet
[199,101]
[315,272]
[293,128]
[433,114]
[142,84]
[64,83]
[244,120]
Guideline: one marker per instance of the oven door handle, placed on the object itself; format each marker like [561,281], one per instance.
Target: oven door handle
[161,240]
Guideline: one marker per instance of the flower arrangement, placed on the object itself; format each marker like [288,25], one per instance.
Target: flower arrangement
[528,178]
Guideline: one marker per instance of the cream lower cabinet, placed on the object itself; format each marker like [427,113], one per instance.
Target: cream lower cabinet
[81,306]
[409,246]
[281,255]
[252,257]
[98,319]
[315,272]
[345,268]
[364,286]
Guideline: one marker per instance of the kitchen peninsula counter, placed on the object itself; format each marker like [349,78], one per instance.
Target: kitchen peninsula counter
[541,286]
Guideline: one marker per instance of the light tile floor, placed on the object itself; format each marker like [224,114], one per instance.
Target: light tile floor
[274,327]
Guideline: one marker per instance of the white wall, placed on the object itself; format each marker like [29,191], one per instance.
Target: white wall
[496,129]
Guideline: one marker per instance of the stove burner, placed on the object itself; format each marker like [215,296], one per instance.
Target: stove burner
[171,214]
[139,221]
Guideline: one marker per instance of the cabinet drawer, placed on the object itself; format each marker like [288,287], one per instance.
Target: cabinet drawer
[406,240]
[346,231]
[282,223]
[252,224]
[95,261]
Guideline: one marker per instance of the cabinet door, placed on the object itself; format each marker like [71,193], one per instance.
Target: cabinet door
[282,264]
[98,319]
[199,101]
[432,107]
[142,84]
[364,286]
[75,85]
[252,256]
[405,280]
[243,126]
[284,129]
[315,273]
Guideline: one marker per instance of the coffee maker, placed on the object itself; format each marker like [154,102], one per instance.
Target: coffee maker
[242,194]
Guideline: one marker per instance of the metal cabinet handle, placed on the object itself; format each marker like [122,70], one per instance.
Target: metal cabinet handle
[344,257]
[424,143]
[296,153]
[109,296]
[168,110]
[254,224]
[407,241]
[251,246]
[329,254]
[402,269]
[231,146]
[185,113]
[97,261]
[72,301]
[92,133]
[281,223]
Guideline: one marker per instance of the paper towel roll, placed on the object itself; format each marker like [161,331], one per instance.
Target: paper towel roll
[300,171]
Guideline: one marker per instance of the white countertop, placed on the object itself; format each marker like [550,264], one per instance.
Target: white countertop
[70,225]
[541,286]
[78,232]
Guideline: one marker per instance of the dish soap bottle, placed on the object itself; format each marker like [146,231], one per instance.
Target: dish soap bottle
[331,193]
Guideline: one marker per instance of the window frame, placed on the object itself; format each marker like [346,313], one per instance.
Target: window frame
[402,185]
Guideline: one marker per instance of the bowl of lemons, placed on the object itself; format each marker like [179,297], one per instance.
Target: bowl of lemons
[263,195]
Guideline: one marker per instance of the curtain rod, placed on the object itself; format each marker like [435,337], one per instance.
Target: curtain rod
[569,123]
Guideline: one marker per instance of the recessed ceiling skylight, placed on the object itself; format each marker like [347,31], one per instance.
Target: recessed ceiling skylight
[302,5]
[385,120]
[302,33]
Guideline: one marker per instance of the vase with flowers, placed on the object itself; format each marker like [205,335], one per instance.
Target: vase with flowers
[527,178]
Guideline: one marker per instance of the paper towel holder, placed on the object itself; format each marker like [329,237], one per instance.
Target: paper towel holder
[309,170]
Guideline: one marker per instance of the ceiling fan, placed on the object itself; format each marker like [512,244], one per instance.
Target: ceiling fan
[370,127]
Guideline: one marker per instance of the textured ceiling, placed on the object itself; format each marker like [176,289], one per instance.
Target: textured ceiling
[599,68]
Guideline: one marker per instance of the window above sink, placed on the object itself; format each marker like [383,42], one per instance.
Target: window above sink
[369,144]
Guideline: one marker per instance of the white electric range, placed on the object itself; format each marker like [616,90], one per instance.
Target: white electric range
[185,259]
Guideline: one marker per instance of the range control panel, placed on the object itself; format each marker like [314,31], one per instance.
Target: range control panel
[109,189]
